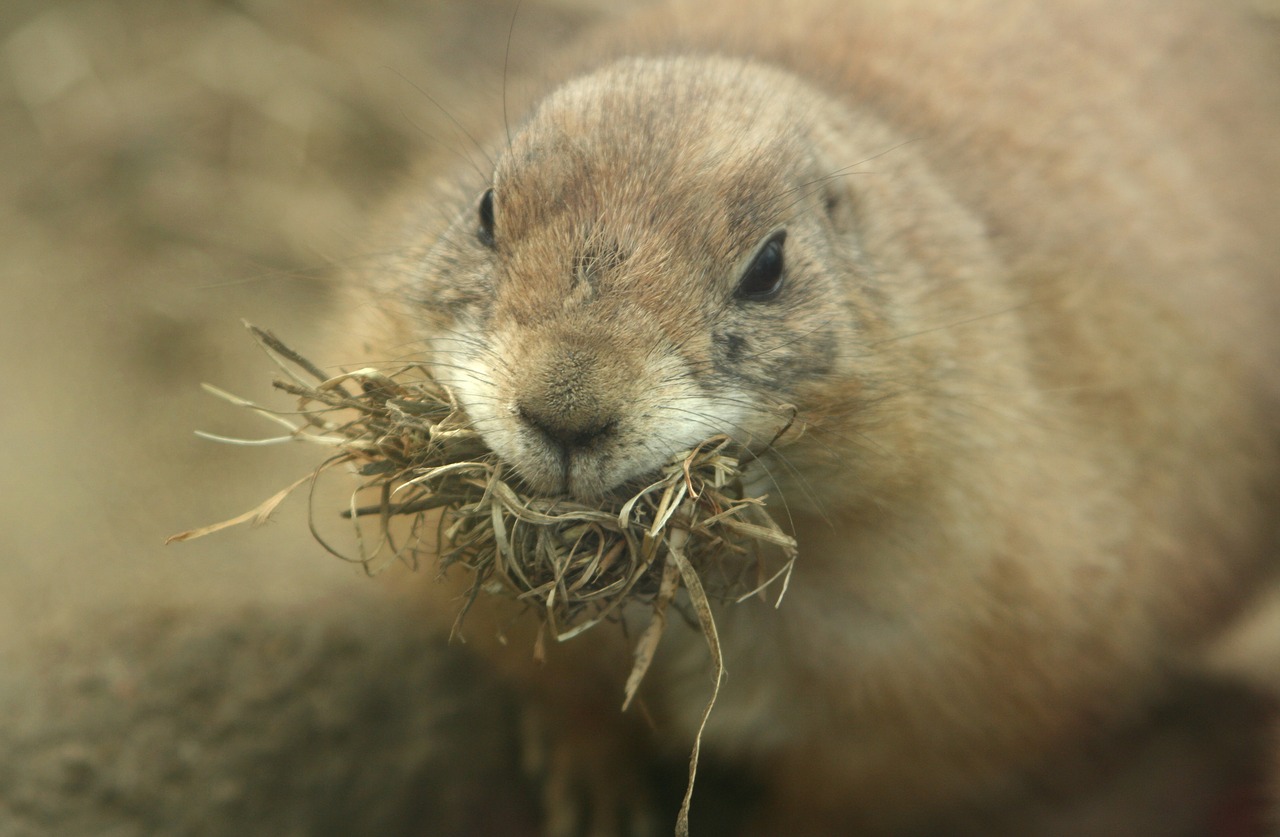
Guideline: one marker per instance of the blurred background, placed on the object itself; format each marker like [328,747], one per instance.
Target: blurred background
[167,169]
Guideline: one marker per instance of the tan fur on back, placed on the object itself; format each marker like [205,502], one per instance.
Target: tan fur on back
[1029,324]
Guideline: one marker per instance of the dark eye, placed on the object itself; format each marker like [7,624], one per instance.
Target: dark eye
[763,277]
[485,232]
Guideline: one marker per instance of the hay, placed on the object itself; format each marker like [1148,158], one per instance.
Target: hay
[692,526]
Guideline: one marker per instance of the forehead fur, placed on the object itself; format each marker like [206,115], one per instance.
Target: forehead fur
[646,151]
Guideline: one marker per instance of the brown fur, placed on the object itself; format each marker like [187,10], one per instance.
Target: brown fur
[1028,324]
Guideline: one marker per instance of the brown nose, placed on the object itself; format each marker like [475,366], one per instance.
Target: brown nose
[565,401]
[568,430]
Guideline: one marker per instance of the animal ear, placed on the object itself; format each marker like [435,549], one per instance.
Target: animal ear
[485,210]
[840,204]
[831,200]
[837,196]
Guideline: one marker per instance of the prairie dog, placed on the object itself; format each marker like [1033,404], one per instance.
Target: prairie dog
[1014,266]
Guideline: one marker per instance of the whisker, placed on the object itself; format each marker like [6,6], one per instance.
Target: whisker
[447,115]
[506,63]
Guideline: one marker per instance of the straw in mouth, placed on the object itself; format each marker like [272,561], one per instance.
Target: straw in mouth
[694,526]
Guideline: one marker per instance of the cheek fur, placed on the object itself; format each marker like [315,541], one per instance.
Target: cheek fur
[471,365]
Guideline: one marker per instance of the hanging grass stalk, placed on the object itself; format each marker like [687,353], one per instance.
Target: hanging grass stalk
[413,451]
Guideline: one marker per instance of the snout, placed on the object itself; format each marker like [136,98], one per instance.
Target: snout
[569,404]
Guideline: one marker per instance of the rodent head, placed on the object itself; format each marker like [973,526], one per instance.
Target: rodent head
[654,264]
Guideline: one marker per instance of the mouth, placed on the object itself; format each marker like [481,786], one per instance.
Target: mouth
[579,477]
[589,470]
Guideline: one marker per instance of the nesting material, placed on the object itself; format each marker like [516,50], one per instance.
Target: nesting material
[416,457]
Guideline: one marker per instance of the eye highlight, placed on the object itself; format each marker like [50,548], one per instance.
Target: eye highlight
[763,278]
[485,210]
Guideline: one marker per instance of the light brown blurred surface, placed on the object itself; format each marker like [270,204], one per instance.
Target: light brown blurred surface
[167,169]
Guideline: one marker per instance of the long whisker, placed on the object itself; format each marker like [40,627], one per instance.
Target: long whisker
[447,115]
[506,63]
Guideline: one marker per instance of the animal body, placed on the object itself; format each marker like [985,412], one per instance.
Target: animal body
[1014,270]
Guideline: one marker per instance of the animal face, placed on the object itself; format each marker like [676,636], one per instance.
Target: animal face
[648,269]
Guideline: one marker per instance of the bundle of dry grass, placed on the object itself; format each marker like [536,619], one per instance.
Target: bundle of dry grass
[415,453]
[417,457]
